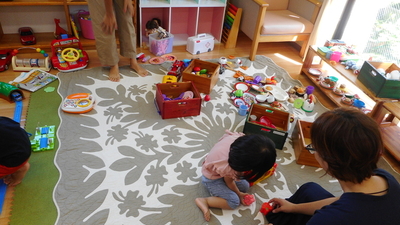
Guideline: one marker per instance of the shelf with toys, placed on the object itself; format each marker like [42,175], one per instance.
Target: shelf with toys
[317,67]
[39,14]
[182,18]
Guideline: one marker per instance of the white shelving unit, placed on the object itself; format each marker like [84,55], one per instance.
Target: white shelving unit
[183,18]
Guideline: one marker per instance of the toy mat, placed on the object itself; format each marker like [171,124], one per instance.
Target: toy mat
[122,163]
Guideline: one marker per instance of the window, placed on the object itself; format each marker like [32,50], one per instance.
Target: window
[374,28]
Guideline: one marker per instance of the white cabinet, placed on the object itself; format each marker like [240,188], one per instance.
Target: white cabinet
[183,18]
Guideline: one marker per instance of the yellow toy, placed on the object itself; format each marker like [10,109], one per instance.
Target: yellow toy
[266,175]
[169,79]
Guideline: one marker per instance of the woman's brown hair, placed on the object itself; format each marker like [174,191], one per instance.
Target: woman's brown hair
[350,143]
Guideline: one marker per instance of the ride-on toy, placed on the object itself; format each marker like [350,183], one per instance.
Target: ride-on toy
[68,55]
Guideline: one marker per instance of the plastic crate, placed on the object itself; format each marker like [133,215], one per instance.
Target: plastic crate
[161,46]
[376,82]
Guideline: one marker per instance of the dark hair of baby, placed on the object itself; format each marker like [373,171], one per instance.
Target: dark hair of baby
[254,154]
[153,23]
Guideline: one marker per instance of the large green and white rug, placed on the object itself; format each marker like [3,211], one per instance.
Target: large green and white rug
[122,164]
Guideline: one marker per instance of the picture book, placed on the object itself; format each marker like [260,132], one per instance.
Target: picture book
[33,80]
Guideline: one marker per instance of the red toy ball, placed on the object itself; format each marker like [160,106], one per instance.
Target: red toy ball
[196,69]
[266,208]
[248,199]
[207,98]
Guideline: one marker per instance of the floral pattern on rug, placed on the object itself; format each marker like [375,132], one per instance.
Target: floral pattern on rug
[121,163]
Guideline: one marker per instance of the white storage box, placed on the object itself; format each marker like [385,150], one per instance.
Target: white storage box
[200,43]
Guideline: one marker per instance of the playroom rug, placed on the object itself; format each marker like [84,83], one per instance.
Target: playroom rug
[121,163]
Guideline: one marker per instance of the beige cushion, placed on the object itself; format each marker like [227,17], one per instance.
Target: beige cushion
[285,22]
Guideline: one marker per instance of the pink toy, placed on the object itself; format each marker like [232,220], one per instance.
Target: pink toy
[248,199]
[266,208]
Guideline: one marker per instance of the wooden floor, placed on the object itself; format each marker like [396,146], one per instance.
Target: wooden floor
[284,55]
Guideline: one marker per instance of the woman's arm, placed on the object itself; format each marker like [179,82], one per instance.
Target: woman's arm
[282,205]
[109,24]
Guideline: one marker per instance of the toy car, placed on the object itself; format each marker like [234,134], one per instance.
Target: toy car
[68,55]
[26,36]
[5,59]
[176,69]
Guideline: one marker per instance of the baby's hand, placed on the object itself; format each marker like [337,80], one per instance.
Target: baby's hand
[248,199]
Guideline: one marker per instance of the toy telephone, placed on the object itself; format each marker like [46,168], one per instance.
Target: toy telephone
[78,103]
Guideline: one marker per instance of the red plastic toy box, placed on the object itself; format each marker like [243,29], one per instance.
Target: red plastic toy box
[170,106]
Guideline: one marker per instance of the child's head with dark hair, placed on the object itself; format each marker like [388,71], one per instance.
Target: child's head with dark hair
[349,142]
[253,154]
[153,23]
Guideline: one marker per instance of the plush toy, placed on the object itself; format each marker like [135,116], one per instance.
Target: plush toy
[351,65]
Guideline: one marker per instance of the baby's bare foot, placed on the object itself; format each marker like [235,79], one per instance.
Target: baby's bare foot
[202,204]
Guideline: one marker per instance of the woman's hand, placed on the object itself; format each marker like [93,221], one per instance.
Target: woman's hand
[109,24]
[128,7]
[282,205]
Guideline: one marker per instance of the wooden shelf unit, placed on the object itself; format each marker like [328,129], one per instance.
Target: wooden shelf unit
[315,60]
[387,115]
[44,39]
[183,18]
[385,111]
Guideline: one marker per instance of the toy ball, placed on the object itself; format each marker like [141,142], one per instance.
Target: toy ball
[196,69]
[203,71]
[207,98]
[38,49]
[248,199]
[266,208]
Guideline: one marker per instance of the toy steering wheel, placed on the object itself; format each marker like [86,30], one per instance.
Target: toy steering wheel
[70,54]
